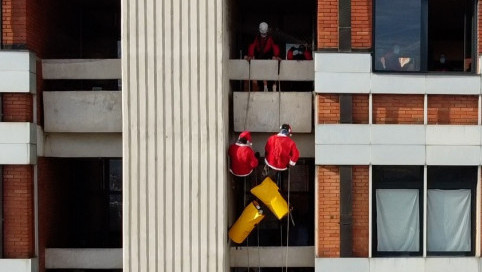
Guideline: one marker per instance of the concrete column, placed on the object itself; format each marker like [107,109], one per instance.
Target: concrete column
[175,124]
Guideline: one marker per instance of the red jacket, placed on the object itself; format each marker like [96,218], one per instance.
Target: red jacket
[243,160]
[306,55]
[263,48]
[281,151]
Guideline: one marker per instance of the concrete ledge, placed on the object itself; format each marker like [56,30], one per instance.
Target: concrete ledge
[83,111]
[81,69]
[18,143]
[414,264]
[83,258]
[19,265]
[81,145]
[266,111]
[289,70]
[272,256]
[18,72]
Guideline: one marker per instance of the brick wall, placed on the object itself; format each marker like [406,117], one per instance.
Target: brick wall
[327,24]
[360,108]
[18,211]
[361,24]
[360,211]
[17,107]
[328,108]
[14,23]
[397,109]
[328,211]
[452,109]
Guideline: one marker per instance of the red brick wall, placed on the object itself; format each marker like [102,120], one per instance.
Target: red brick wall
[17,107]
[14,22]
[360,211]
[327,24]
[328,211]
[360,108]
[361,24]
[18,211]
[328,108]
[397,109]
[452,109]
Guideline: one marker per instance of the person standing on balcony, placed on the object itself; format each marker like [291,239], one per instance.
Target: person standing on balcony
[264,47]
[242,157]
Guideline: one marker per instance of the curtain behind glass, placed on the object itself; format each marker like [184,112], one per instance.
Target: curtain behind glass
[398,35]
[448,220]
[398,226]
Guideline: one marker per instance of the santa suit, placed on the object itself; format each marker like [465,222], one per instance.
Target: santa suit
[281,151]
[263,48]
[243,160]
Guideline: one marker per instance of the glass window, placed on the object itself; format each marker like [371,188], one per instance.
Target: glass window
[397,213]
[424,35]
[451,210]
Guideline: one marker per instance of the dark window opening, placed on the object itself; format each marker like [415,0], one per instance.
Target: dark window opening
[82,85]
[424,35]
[91,212]
[271,231]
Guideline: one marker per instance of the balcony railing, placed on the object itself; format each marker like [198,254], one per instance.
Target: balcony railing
[81,69]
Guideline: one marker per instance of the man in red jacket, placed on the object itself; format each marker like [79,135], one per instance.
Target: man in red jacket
[280,150]
[243,159]
[264,47]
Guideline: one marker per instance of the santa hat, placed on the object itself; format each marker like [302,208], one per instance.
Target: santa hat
[246,135]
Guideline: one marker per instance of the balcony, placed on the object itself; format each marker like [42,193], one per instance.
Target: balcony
[266,111]
[81,69]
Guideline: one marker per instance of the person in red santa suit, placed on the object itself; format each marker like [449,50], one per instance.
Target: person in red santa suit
[281,150]
[242,157]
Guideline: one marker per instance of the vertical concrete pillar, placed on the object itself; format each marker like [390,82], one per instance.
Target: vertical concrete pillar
[174,135]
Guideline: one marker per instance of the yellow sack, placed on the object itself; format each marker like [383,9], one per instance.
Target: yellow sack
[268,193]
[250,217]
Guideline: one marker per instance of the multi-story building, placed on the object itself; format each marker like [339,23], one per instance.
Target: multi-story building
[116,116]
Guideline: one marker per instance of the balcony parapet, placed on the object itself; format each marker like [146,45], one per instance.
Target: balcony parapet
[81,69]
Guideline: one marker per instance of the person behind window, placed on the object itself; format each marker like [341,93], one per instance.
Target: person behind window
[264,47]
[299,53]
[391,60]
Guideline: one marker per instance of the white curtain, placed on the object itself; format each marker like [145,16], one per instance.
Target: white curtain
[398,226]
[448,220]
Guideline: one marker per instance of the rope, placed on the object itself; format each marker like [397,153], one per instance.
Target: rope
[279,95]
[288,221]
[244,201]
[249,95]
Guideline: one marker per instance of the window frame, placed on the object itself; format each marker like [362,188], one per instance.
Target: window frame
[379,183]
[424,10]
[463,182]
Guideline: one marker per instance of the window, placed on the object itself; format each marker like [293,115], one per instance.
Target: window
[424,35]
[398,211]
[397,214]
[451,210]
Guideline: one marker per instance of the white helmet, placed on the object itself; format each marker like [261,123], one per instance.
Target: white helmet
[263,29]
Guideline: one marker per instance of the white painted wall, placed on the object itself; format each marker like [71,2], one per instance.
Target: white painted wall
[352,73]
[18,72]
[352,144]
[175,129]
[413,264]
[83,111]
[18,143]
[19,265]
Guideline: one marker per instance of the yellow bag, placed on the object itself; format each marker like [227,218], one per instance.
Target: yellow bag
[250,217]
[268,193]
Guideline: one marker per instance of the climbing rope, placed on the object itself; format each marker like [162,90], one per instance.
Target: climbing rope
[288,222]
[249,95]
